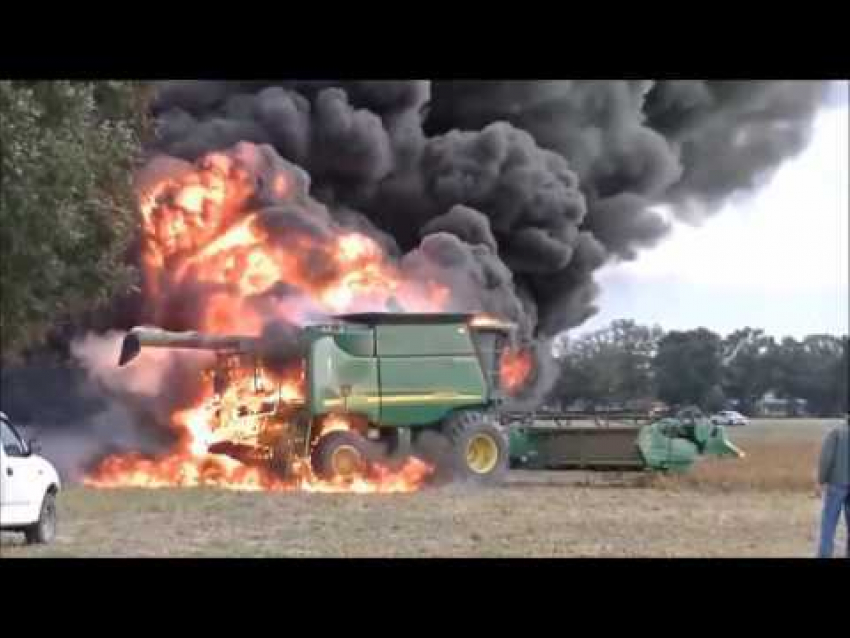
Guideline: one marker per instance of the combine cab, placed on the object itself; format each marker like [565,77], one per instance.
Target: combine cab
[390,385]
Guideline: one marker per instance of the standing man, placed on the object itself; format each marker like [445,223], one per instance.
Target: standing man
[834,479]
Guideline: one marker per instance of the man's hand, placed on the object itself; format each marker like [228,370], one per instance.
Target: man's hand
[819,488]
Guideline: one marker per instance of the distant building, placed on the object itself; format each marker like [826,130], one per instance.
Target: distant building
[772,406]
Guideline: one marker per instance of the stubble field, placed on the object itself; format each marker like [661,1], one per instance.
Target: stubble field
[762,506]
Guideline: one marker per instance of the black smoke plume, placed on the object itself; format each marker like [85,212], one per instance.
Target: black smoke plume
[520,189]
[524,187]
[552,177]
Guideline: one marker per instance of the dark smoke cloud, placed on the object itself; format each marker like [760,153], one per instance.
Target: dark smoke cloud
[731,134]
[518,190]
[480,281]
[81,412]
[538,182]
[551,165]
[692,143]
[280,345]
[466,223]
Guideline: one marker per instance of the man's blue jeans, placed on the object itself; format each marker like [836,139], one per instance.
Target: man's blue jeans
[835,499]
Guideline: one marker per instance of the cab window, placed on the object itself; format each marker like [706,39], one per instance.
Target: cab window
[12,444]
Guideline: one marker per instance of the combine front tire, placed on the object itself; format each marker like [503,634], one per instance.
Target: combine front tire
[479,448]
[341,454]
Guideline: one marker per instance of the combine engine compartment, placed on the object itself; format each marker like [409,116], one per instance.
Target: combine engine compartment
[257,417]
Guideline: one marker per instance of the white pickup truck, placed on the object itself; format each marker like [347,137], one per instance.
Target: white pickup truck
[729,417]
[28,487]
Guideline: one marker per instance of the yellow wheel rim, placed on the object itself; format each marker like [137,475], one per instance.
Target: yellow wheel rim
[346,460]
[482,453]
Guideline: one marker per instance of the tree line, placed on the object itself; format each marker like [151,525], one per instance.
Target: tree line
[67,207]
[626,363]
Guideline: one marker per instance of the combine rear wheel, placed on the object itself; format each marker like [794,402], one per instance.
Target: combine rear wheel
[341,454]
[479,448]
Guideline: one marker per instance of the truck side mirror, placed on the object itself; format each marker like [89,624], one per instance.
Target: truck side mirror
[33,447]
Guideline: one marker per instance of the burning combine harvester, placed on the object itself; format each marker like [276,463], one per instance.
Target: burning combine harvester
[318,205]
[371,386]
[374,390]
[312,385]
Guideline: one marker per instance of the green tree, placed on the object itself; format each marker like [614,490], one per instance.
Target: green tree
[714,400]
[67,209]
[688,367]
[839,375]
[814,369]
[786,366]
[610,365]
[747,366]
[821,356]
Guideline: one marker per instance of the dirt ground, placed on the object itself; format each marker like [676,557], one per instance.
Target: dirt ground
[761,506]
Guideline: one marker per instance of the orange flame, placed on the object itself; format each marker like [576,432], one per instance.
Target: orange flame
[335,423]
[514,369]
[190,464]
[488,321]
[199,233]
[198,230]
[175,470]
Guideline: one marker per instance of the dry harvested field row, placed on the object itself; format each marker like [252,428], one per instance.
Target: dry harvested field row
[763,506]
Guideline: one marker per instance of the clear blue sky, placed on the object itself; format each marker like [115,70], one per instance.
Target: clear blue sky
[777,260]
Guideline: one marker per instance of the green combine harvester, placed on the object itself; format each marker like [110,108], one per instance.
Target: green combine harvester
[414,384]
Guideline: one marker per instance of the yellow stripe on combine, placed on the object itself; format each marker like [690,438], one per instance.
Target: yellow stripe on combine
[407,398]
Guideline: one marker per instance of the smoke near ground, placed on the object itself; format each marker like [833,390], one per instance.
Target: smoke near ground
[81,411]
[518,191]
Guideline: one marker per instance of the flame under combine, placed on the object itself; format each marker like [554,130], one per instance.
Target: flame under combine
[232,245]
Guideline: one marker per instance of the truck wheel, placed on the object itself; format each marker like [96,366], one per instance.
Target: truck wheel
[341,454]
[479,448]
[44,531]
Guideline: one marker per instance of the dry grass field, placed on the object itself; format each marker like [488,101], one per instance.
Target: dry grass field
[761,506]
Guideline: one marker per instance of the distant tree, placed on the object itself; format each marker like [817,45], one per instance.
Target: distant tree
[688,366]
[785,367]
[714,399]
[814,369]
[637,347]
[821,358]
[746,366]
[839,375]
[610,365]
[66,203]
[625,361]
